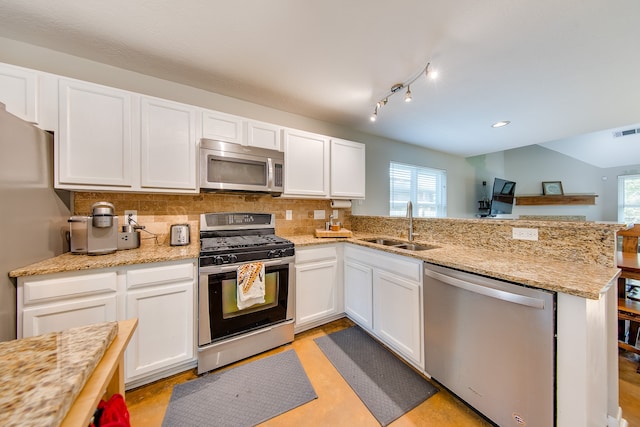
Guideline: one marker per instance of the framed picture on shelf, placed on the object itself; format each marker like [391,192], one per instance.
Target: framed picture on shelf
[552,188]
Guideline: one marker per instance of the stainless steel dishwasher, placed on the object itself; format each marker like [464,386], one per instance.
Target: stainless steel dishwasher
[492,343]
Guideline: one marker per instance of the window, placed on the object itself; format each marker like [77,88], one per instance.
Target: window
[629,199]
[425,187]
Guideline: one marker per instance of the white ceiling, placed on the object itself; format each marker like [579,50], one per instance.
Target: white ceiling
[555,69]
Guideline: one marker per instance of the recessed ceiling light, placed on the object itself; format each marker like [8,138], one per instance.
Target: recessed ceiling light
[500,124]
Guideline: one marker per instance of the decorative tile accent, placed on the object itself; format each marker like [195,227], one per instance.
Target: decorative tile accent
[158,211]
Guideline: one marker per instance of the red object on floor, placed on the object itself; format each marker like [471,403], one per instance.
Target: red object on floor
[112,413]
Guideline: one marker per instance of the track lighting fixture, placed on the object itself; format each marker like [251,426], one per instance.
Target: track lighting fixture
[431,74]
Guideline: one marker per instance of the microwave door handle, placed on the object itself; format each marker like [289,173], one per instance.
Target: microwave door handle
[270,175]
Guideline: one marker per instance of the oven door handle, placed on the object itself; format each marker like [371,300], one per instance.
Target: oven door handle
[231,267]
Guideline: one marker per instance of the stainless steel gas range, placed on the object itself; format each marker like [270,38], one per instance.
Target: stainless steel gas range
[245,300]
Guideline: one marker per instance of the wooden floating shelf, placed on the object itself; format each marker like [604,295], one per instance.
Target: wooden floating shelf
[566,199]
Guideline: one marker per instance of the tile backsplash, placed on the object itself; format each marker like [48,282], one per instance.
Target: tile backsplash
[158,211]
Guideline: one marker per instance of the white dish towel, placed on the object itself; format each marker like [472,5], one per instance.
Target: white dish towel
[250,280]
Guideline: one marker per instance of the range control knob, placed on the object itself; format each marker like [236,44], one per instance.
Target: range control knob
[272,254]
[232,258]
[218,260]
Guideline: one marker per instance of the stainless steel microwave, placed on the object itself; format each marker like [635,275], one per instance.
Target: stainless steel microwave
[233,167]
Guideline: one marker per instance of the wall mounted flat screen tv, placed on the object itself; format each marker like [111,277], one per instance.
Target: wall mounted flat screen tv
[502,197]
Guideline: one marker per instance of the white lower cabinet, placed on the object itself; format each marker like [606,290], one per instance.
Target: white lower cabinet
[397,304]
[383,294]
[161,295]
[358,292]
[54,302]
[164,336]
[318,286]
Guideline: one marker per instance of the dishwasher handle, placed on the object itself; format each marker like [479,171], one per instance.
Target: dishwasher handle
[486,291]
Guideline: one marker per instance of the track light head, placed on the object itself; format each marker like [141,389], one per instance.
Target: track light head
[430,73]
[374,115]
[407,96]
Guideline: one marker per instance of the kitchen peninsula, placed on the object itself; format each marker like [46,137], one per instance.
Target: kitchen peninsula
[575,260]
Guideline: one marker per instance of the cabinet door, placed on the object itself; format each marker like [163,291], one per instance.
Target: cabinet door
[167,145]
[19,92]
[165,332]
[358,293]
[264,135]
[347,169]
[222,127]
[316,291]
[306,158]
[57,317]
[396,314]
[94,142]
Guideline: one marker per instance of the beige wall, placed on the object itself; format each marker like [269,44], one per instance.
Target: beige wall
[158,211]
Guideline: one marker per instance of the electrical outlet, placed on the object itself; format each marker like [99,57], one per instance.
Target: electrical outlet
[130,214]
[318,214]
[288,214]
[524,233]
[335,214]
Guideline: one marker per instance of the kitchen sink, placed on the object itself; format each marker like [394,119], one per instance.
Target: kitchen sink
[398,244]
[385,242]
[414,247]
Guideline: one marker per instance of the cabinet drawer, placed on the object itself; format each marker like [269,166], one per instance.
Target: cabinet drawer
[406,267]
[315,254]
[63,315]
[137,278]
[38,290]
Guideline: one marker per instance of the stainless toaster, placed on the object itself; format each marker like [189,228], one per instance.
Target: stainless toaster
[180,234]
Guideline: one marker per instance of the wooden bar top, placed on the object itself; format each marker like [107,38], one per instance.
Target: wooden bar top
[629,263]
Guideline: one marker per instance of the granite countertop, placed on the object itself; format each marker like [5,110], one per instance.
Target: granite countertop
[42,376]
[141,255]
[583,280]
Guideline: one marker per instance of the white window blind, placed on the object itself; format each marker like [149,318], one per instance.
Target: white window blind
[629,199]
[425,187]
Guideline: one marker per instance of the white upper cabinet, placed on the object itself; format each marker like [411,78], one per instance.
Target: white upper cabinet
[306,158]
[110,139]
[226,127]
[167,145]
[347,169]
[263,135]
[222,127]
[319,167]
[95,140]
[19,92]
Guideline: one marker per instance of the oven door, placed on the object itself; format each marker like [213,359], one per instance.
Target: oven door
[219,316]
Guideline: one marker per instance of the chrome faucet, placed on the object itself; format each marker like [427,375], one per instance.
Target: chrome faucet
[410,216]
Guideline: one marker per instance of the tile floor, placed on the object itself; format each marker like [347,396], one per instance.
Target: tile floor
[338,405]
